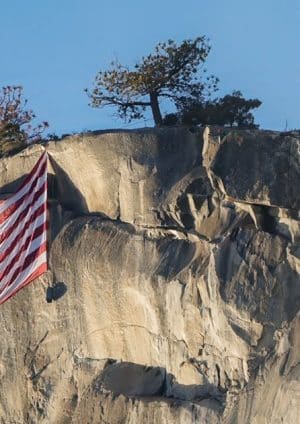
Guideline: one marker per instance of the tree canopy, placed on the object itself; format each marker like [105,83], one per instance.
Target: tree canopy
[16,129]
[172,71]
[230,110]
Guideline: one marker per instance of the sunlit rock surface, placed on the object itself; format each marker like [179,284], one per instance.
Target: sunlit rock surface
[173,292]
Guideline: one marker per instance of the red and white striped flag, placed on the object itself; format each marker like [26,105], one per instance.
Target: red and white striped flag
[23,232]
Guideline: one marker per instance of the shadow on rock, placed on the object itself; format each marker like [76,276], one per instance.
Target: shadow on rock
[56,292]
[11,187]
[176,255]
[63,189]
[139,381]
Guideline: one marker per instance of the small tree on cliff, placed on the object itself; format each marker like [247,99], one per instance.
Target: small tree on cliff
[171,72]
[16,130]
[232,110]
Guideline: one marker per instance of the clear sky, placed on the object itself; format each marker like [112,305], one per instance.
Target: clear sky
[55,47]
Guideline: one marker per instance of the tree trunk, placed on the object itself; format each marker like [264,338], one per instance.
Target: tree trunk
[155,109]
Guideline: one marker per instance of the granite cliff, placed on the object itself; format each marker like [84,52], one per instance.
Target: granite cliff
[173,292]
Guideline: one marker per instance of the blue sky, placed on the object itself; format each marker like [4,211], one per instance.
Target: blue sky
[55,47]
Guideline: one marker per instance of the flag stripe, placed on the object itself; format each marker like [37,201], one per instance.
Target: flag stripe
[33,188]
[27,259]
[26,277]
[20,232]
[39,271]
[32,207]
[26,202]
[23,232]
[31,242]
[25,187]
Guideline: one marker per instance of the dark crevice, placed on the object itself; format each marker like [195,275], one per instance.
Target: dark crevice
[268,222]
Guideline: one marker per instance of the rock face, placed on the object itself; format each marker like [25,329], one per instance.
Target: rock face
[173,292]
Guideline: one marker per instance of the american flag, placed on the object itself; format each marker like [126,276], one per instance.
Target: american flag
[23,232]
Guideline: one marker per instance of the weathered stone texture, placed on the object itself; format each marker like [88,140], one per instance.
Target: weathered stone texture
[174,279]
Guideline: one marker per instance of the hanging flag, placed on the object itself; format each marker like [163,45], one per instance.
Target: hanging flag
[23,232]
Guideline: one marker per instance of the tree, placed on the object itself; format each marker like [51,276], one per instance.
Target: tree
[234,110]
[16,130]
[171,72]
[230,110]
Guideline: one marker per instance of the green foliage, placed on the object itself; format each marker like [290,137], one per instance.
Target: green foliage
[171,72]
[230,110]
[16,130]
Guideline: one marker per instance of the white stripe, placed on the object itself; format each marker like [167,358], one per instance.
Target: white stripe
[23,276]
[31,248]
[6,243]
[20,193]
[40,183]
[11,219]
[19,246]
[14,224]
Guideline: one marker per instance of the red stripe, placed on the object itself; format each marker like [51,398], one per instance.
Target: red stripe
[38,232]
[13,207]
[39,271]
[23,214]
[20,235]
[23,229]
[26,194]
[29,259]
[39,212]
